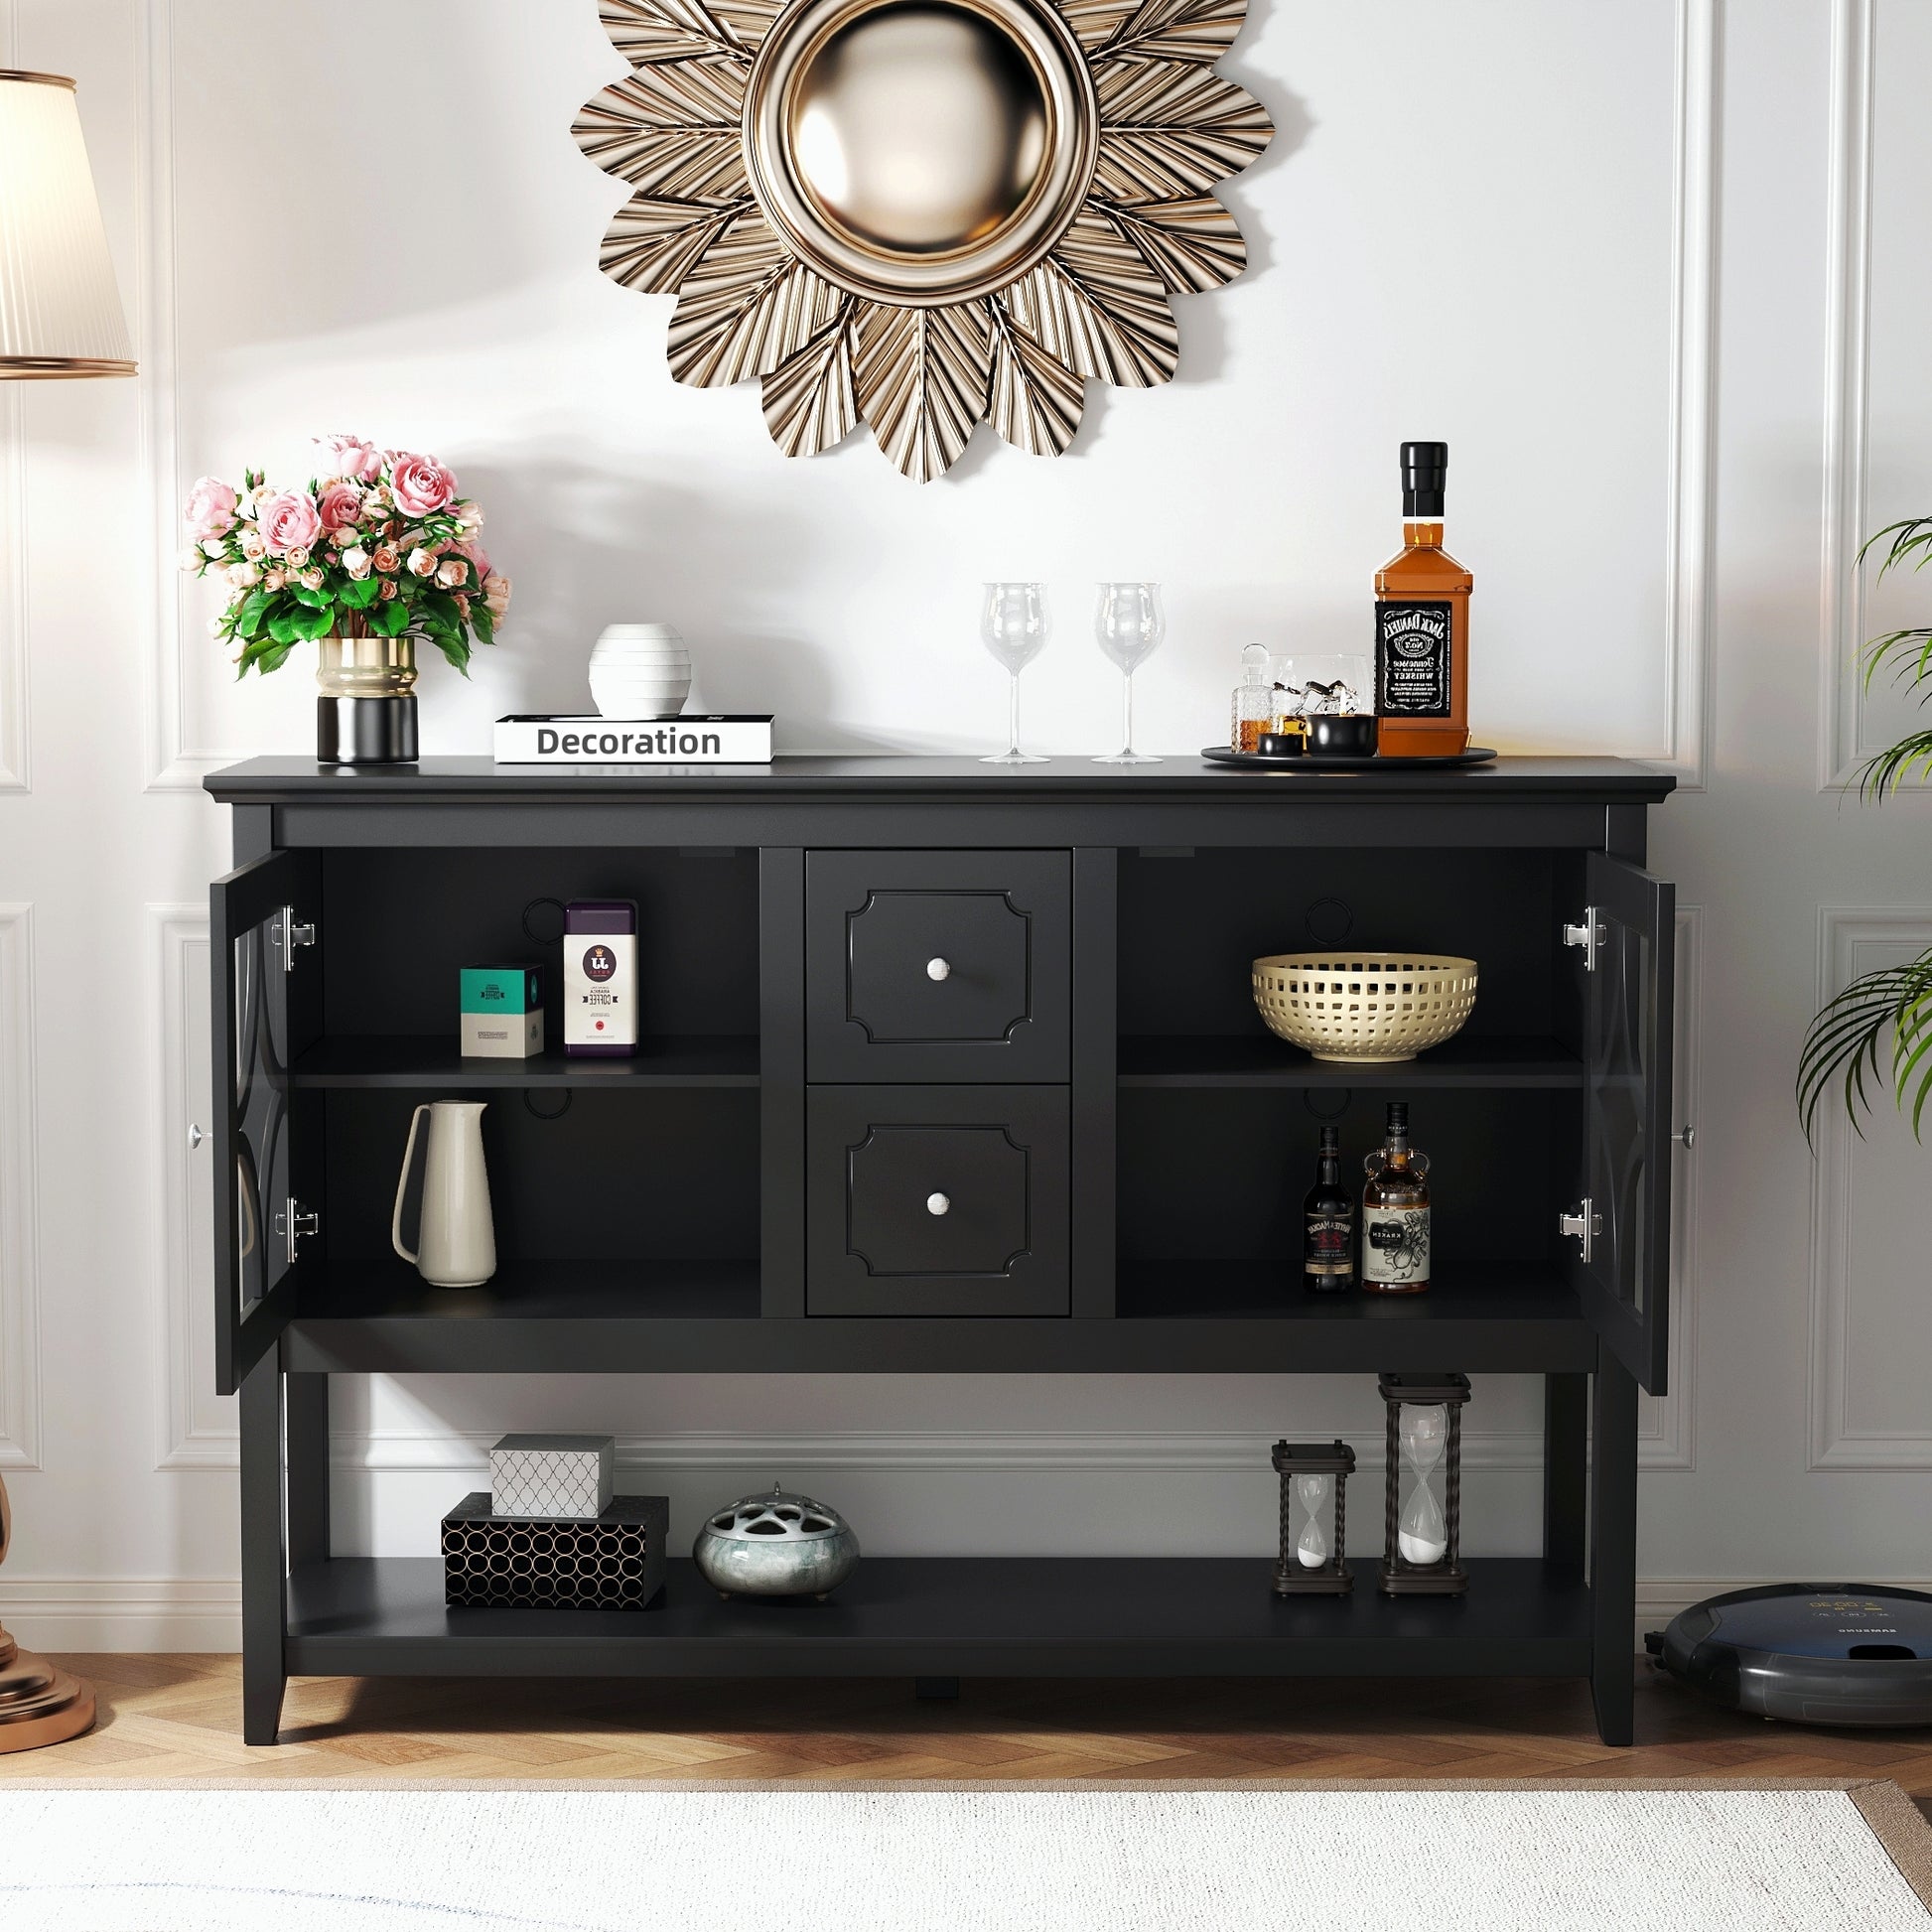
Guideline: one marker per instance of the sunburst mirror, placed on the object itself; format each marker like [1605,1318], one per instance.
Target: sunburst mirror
[925,214]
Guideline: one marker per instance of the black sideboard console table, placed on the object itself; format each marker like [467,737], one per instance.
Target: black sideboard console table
[1123,1146]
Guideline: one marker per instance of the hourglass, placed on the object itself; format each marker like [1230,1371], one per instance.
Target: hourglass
[1314,1518]
[1422,1490]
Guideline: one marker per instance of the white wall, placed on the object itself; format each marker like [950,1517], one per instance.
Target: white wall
[1657,273]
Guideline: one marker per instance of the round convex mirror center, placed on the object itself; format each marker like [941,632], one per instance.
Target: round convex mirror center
[920,152]
[919,127]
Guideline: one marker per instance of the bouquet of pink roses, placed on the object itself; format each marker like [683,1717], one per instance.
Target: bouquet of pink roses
[379,545]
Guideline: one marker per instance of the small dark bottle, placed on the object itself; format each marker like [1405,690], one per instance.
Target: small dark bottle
[1328,1224]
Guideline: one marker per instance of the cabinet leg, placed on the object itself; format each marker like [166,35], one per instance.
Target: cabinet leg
[1565,1470]
[264,1563]
[935,1689]
[1613,1550]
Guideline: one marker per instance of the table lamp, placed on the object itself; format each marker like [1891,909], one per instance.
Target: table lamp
[59,316]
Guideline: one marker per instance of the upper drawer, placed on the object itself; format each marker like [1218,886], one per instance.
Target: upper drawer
[938,965]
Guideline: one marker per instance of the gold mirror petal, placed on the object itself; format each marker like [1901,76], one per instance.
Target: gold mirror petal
[925,214]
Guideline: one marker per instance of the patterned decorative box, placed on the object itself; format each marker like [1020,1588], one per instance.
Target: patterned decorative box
[617,1563]
[552,1476]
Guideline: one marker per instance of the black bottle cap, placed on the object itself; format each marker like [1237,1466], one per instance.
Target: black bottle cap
[1332,1140]
[1425,471]
[1398,1116]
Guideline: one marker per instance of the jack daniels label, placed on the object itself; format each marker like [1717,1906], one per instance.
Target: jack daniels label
[1411,659]
[1395,1244]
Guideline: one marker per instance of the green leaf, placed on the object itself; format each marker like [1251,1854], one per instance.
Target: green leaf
[302,594]
[389,620]
[273,658]
[359,593]
[482,622]
[1845,1042]
[316,624]
[456,650]
[250,620]
[283,627]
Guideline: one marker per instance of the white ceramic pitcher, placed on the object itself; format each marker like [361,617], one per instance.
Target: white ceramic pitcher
[455,1235]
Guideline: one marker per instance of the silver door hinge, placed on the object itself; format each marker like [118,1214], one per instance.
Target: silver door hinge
[1582,1223]
[293,1222]
[289,934]
[1591,934]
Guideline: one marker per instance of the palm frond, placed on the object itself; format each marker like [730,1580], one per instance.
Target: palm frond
[1896,764]
[1908,652]
[1911,534]
[1844,1044]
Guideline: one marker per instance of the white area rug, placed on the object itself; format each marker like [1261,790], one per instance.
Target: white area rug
[897,1860]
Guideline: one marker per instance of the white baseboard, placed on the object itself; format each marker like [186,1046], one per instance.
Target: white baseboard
[122,1613]
[178,1613]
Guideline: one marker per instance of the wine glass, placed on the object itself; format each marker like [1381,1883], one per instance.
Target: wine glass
[1127,625]
[1013,628]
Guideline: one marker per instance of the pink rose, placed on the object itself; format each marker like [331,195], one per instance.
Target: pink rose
[289,523]
[452,572]
[351,457]
[356,562]
[478,556]
[387,561]
[210,507]
[339,504]
[422,562]
[419,483]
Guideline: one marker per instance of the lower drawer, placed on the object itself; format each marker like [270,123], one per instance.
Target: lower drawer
[936,1200]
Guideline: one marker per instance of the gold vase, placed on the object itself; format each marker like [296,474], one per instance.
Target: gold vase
[366,713]
[38,1705]
[366,667]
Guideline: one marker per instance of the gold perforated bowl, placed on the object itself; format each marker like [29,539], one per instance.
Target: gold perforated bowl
[1364,1005]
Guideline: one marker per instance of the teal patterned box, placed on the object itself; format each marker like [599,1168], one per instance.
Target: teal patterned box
[502,1012]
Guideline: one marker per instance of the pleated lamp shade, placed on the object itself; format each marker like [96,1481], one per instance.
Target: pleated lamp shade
[60,311]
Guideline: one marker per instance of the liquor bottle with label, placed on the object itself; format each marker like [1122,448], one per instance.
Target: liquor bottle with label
[1328,1224]
[1422,623]
[1395,1212]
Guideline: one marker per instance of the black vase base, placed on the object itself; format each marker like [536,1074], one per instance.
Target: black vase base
[365,731]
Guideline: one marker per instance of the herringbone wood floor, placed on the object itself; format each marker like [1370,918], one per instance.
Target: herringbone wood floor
[180,1717]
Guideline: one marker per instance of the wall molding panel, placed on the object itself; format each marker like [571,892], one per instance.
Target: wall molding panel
[1848,371]
[196,1427]
[1837,1443]
[1698,88]
[172,765]
[19,1297]
[1150,1452]
[13,773]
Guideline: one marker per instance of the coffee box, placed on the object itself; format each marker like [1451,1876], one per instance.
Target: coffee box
[600,976]
[502,1012]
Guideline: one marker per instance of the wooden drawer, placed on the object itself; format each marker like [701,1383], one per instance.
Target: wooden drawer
[940,1200]
[938,965]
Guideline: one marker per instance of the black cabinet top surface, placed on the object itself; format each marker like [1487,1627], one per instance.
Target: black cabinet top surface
[1179,779]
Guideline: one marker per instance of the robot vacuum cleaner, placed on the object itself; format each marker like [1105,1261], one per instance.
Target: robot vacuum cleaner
[1810,1653]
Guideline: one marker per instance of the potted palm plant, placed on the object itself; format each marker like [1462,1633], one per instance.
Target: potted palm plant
[1880,1028]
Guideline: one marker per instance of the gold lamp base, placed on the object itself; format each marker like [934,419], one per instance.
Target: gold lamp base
[38,1705]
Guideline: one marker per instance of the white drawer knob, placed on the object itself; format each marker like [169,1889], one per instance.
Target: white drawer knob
[938,969]
[938,1203]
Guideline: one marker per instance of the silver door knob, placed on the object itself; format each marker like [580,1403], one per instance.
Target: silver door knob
[1688,1136]
[938,1204]
[194,1137]
[938,969]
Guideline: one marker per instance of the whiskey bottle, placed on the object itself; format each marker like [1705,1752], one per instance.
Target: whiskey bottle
[1395,1212]
[1422,623]
[1328,1224]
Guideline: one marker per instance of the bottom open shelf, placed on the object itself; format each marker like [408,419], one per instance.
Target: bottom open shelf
[956,1616]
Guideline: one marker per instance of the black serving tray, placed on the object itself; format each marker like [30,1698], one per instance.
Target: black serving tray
[1252,761]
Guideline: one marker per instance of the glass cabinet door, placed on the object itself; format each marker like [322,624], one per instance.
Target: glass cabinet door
[263,982]
[1623,1256]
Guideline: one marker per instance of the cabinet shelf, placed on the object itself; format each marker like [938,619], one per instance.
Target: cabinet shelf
[636,1317]
[428,1060]
[951,1616]
[1249,1061]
